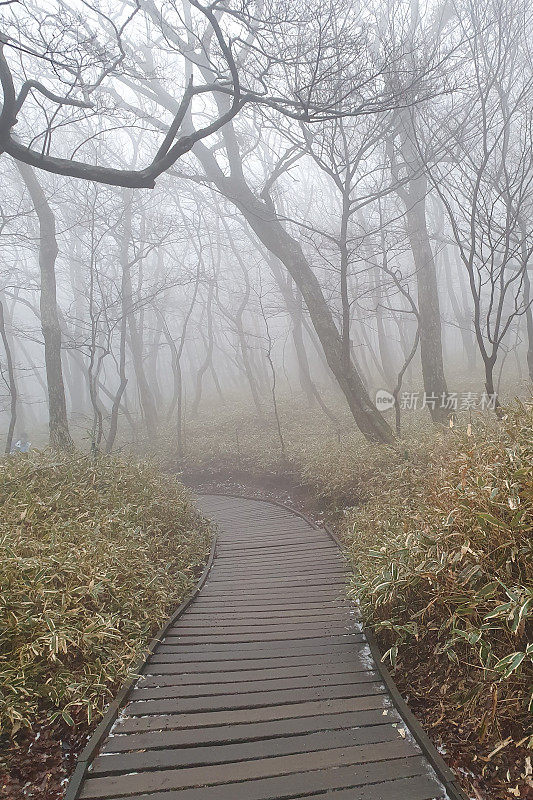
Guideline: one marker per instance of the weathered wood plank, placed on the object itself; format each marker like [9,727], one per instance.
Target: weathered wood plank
[188,777]
[249,732]
[243,751]
[287,787]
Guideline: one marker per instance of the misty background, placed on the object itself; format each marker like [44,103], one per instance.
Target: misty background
[262,201]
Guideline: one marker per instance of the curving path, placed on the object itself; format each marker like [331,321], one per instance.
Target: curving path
[264,687]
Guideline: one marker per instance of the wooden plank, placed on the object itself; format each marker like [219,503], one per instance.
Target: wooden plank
[267,713]
[266,605]
[243,751]
[357,660]
[248,732]
[319,574]
[297,785]
[151,690]
[174,655]
[250,700]
[270,549]
[235,567]
[302,633]
[421,787]
[289,594]
[304,672]
[167,779]
[264,621]
[295,664]
[295,560]
[258,644]
[225,628]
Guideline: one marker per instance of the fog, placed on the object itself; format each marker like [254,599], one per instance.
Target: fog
[264,199]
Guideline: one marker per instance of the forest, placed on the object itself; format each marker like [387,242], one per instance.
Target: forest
[281,250]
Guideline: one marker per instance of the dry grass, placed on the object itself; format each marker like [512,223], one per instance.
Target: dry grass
[443,564]
[332,461]
[93,555]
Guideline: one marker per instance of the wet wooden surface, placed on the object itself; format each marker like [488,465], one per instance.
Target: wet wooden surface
[265,687]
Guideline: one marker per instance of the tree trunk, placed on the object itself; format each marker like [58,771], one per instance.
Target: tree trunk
[152,367]
[414,196]
[123,380]
[262,219]
[148,406]
[294,309]
[77,386]
[22,410]
[208,359]
[428,298]
[387,360]
[529,321]
[461,315]
[11,382]
[60,437]
[237,320]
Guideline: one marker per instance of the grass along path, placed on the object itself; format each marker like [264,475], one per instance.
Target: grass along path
[94,554]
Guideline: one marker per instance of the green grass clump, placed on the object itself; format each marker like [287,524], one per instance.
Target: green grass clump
[93,556]
[443,564]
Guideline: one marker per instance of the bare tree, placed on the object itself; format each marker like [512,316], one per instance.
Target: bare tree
[48,249]
[11,381]
[485,175]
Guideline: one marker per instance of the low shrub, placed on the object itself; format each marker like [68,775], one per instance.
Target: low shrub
[93,556]
[443,566]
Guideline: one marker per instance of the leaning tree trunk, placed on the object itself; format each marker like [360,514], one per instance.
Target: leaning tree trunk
[60,437]
[269,230]
[263,220]
[261,216]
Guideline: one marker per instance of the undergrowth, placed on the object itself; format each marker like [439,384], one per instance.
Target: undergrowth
[332,461]
[93,555]
[443,563]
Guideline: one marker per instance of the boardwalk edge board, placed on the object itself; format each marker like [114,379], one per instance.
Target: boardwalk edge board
[443,771]
[113,710]
[437,764]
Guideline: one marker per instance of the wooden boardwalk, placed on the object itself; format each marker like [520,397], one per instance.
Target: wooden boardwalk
[264,687]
